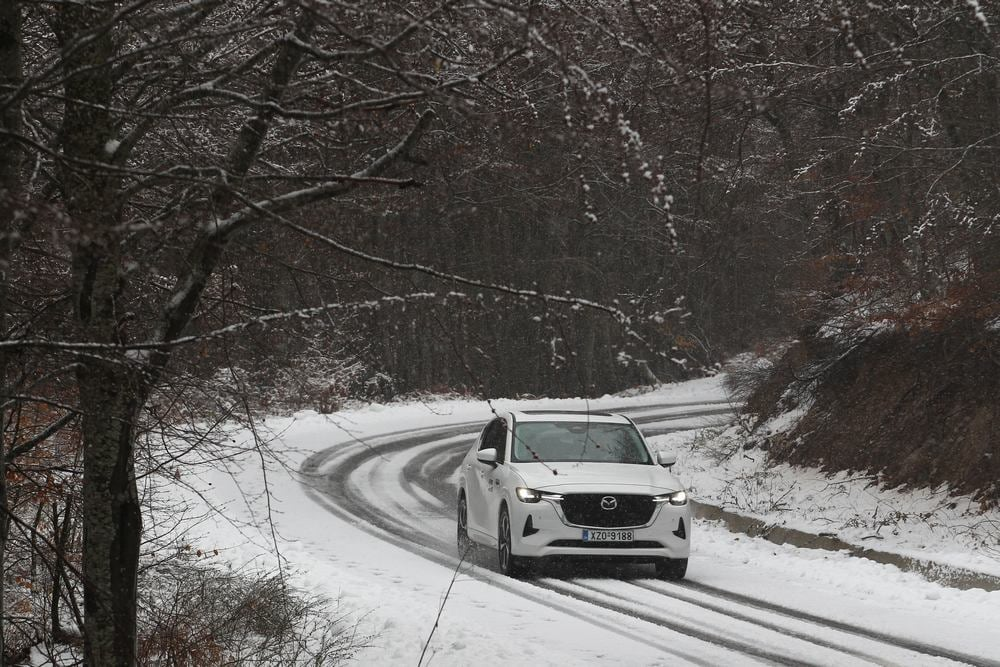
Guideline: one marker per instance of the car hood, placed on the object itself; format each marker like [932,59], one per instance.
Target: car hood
[572,477]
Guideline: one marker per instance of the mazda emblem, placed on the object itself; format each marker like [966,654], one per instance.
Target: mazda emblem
[609,503]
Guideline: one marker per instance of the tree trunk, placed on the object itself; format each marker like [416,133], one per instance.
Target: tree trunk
[62,532]
[110,393]
[112,520]
[10,151]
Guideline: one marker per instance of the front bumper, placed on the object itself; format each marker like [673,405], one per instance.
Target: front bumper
[540,530]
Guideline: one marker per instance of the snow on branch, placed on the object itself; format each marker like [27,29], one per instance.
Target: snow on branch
[572,301]
[977,11]
[208,250]
[374,48]
[138,352]
[299,198]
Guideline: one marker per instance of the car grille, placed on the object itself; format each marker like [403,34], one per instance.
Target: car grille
[584,509]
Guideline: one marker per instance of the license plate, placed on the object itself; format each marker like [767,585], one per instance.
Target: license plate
[608,535]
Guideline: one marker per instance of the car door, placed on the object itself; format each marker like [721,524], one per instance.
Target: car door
[495,478]
[478,485]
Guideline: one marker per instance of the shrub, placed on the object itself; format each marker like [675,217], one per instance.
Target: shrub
[193,615]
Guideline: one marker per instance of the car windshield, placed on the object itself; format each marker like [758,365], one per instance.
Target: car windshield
[579,441]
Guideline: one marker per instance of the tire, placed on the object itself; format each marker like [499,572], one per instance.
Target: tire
[464,543]
[672,569]
[508,563]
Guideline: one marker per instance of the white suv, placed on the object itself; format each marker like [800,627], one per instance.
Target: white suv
[579,484]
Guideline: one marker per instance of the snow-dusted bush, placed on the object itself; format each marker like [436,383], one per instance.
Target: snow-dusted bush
[195,615]
[757,491]
[719,445]
[745,372]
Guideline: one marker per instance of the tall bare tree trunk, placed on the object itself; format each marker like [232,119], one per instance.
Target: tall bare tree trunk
[10,187]
[112,519]
[110,393]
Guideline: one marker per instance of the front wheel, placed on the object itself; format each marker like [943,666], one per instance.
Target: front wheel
[672,569]
[464,543]
[509,564]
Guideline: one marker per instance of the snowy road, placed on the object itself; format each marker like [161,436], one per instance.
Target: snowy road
[768,608]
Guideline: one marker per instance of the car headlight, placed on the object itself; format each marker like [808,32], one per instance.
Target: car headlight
[526,495]
[675,498]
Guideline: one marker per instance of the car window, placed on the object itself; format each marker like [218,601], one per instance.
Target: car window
[484,442]
[496,438]
[579,441]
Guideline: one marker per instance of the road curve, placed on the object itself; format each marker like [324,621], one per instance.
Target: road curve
[415,508]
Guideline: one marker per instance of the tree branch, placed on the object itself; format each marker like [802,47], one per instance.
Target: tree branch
[49,431]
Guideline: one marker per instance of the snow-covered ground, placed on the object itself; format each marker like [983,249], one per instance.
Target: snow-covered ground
[927,524]
[393,591]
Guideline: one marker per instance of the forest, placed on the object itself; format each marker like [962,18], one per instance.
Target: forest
[216,209]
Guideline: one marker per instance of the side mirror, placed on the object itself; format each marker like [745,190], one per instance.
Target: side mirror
[666,459]
[487,456]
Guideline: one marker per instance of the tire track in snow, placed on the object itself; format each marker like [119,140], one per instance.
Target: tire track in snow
[748,601]
[784,627]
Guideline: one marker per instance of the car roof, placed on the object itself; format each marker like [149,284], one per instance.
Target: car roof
[568,416]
